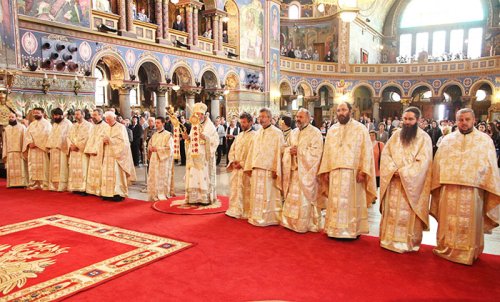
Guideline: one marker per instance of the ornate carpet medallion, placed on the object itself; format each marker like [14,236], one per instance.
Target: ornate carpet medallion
[178,205]
[57,256]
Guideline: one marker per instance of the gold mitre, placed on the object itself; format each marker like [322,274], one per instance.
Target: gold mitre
[199,108]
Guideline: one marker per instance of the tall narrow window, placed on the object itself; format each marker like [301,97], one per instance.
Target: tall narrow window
[422,43]
[405,45]
[438,43]
[457,41]
[294,11]
[133,97]
[100,87]
[474,45]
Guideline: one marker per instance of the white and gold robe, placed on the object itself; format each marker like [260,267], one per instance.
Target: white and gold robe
[160,165]
[78,160]
[117,163]
[465,195]
[301,211]
[263,161]
[239,200]
[200,169]
[95,151]
[347,151]
[13,156]
[38,157]
[58,147]
[404,200]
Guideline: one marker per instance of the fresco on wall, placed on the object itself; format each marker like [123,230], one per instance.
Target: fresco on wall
[7,35]
[251,36]
[275,26]
[73,12]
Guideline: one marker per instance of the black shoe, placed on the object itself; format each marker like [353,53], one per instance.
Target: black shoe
[117,198]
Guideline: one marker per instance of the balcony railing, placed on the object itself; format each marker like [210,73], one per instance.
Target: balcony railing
[313,67]
[145,31]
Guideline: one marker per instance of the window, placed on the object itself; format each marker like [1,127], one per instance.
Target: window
[457,41]
[438,43]
[474,43]
[480,95]
[422,43]
[443,27]
[100,87]
[134,97]
[294,11]
[405,45]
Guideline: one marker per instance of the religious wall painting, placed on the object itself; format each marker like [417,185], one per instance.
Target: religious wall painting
[8,33]
[275,71]
[275,26]
[73,12]
[252,26]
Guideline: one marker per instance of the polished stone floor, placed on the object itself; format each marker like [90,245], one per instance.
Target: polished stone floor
[491,241]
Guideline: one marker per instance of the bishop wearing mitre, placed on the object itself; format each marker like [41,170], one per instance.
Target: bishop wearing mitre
[57,145]
[78,160]
[161,151]
[12,153]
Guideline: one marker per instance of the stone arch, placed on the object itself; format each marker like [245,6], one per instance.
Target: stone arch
[287,88]
[372,90]
[156,74]
[392,84]
[475,87]
[232,80]
[451,83]
[210,74]
[419,85]
[308,91]
[115,63]
[186,74]
[327,84]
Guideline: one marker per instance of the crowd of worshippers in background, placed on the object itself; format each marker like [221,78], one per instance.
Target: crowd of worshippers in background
[307,54]
[307,183]
[283,170]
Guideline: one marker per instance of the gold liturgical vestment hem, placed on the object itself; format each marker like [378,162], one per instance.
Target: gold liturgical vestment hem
[465,194]
[200,176]
[405,199]
[264,160]
[38,158]
[301,212]
[239,201]
[347,151]
[78,160]
[13,156]
[160,165]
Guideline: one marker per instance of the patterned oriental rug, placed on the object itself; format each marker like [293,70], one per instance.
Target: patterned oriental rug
[53,257]
[177,205]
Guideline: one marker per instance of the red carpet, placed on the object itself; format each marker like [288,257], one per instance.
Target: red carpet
[56,256]
[235,261]
[176,205]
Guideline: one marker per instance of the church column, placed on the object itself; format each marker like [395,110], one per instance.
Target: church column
[122,22]
[189,24]
[221,30]
[343,46]
[159,18]
[130,20]
[376,108]
[161,102]
[124,99]
[189,103]
[405,101]
[215,32]
[195,26]
[214,106]
[165,22]
[467,101]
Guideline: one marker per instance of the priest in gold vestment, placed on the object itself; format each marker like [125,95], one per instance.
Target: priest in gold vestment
[38,156]
[161,150]
[117,164]
[465,191]
[201,145]
[301,159]
[95,150]
[58,147]
[239,200]
[264,165]
[405,185]
[12,153]
[78,160]
[347,174]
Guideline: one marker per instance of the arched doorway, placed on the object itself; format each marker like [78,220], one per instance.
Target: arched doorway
[286,98]
[482,101]
[362,97]
[325,101]
[210,94]
[149,76]
[182,80]
[450,103]
[391,102]
[421,98]
[110,70]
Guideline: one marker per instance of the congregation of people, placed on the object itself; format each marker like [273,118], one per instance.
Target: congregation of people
[284,171]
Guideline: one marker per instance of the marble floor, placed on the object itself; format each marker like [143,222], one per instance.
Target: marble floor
[491,241]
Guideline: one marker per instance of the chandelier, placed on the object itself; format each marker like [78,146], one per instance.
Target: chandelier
[348,9]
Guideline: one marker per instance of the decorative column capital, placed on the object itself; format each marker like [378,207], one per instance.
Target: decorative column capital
[123,86]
